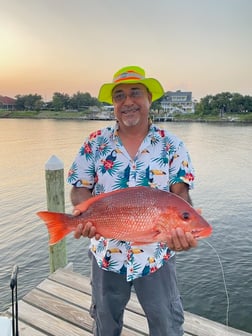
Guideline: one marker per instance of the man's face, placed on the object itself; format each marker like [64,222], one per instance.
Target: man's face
[131,103]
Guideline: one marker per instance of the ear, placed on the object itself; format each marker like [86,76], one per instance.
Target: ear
[150,97]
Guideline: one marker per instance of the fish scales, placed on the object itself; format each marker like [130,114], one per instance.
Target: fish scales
[120,214]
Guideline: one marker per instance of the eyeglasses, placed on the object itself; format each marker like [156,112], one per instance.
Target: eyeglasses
[120,96]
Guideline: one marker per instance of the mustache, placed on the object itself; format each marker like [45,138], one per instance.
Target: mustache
[126,109]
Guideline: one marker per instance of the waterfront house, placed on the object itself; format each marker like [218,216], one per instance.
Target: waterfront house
[177,102]
[7,103]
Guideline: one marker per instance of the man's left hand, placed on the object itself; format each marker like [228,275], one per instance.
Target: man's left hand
[180,240]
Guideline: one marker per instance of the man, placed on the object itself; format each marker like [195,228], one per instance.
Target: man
[133,152]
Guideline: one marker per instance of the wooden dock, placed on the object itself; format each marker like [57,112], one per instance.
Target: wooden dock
[59,306]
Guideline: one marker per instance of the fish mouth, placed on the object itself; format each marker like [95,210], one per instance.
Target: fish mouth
[201,232]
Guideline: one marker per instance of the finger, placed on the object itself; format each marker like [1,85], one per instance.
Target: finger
[91,232]
[86,232]
[78,231]
[176,244]
[191,240]
[169,242]
[181,240]
[172,241]
[185,239]
[76,212]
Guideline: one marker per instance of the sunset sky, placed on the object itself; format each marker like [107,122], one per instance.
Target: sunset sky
[203,46]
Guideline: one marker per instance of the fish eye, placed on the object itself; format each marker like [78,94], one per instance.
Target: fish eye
[186,215]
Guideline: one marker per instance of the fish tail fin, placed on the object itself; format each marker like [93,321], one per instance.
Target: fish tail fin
[57,225]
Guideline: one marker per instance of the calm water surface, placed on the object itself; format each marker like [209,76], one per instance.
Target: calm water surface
[223,190]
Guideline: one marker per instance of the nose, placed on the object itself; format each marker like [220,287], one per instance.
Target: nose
[128,99]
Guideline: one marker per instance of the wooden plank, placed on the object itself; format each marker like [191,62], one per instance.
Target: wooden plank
[59,308]
[201,326]
[27,330]
[71,279]
[47,323]
[23,328]
[68,294]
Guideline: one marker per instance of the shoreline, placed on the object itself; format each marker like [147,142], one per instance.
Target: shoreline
[62,115]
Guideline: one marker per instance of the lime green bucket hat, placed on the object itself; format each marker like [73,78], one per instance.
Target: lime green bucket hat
[130,75]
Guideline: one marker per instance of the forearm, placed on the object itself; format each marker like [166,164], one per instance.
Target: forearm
[182,190]
[79,195]
[186,196]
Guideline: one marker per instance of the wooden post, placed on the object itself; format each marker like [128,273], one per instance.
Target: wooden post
[54,174]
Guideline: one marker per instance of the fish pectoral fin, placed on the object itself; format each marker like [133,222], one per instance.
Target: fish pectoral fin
[161,237]
[155,236]
[139,243]
[160,233]
[147,237]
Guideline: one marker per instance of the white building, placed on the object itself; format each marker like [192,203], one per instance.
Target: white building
[177,102]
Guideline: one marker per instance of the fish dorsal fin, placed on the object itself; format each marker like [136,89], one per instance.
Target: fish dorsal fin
[83,206]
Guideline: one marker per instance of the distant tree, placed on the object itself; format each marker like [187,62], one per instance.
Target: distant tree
[204,106]
[31,102]
[247,104]
[38,105]
[20,102]
[238,103]
[223,103]
[82,100]
[60,101]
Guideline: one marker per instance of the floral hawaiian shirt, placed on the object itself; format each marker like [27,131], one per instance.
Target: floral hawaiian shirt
[103,165]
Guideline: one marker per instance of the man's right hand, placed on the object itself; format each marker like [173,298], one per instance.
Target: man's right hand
[87,230]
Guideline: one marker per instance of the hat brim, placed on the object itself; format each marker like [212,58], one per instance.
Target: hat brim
[153,85]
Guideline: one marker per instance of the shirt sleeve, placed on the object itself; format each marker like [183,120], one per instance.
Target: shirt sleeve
[82,170]
[181,168]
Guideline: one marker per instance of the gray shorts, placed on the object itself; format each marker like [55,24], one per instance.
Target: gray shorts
[157,293]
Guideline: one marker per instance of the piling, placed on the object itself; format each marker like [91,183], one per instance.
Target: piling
[54,175]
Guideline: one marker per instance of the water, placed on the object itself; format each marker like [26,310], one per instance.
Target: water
[223,190]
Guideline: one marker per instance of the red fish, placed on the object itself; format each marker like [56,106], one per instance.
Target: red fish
[141,215]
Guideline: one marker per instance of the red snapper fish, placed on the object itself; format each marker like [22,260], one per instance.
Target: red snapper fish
[140,215]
